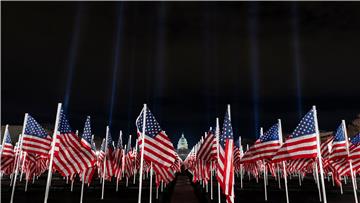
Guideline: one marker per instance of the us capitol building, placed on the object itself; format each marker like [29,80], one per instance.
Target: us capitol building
[182,147]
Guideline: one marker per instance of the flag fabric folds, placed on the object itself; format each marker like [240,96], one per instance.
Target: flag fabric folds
[7,154]
[158,147]
[225,168]
[71,157]
[302,143]
[265,147]
[35,139]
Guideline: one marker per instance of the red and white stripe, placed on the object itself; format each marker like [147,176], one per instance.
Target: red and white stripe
[297,148]
[207,148]
[36,145]
[225,169]
[261,151]
[71,156]
[158,150]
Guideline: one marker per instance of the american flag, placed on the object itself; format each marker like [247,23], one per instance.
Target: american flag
[7,154]
[35,165]
[302,142]
[354,155]
[225,169]
[339,148]
[206,148]
[355,147]
[158,147]
[325,149]
[163,174]
[70,156]
[265,147]
[89,172]
[35,139]
[237,155]
[299,165]
[87,143]
[106,158]
[118,158]
[341,166]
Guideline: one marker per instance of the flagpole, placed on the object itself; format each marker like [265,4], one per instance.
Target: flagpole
[22,166]
[48,182]
[104,162]
[279,179]
[136,148]
[317,180]
[72,184]
[82,187]
[283,162]
[232,197]
[265,188]
[142,152]
[151,177]
[157,192]
[350,161]
[3,142]
[16,148]
[211,180]
[19,157]
[217,133]
[26,184]
[122,168]
[319,154]
[241,166]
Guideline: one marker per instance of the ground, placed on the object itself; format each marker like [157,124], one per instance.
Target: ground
[182,190]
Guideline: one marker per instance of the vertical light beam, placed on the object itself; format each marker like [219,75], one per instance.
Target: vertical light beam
[206,63]
[296,61]
[117,57]
[254,61]
[160,58]
[72,54]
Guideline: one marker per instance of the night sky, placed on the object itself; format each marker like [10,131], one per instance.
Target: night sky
[186,60]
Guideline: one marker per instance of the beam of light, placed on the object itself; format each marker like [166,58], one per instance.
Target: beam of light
[254,61]
[131,88]
[73,51]
[117,56]
[296,61]
[206,64]
[131,78]
[160,58]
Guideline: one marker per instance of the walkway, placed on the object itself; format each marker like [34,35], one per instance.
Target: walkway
[183,191]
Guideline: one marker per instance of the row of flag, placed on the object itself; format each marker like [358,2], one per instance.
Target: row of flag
[73,155]
[216,154]
[300,153]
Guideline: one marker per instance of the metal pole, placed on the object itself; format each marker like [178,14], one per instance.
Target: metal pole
[18,158]
[151,177]
[48,182]
[317,180]
[350,161]
[211,181]
[82,187]
[104,162]
[142,153]
[217,134]
[283,163]
[319,155]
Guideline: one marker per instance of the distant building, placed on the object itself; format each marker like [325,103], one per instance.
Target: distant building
[182,144]
[182,147]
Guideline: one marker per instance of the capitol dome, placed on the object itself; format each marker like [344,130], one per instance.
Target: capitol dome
[182,144]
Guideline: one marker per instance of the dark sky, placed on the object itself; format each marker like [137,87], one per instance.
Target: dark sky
[186,60]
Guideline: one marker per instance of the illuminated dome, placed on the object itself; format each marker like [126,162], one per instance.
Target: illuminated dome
[182,144]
